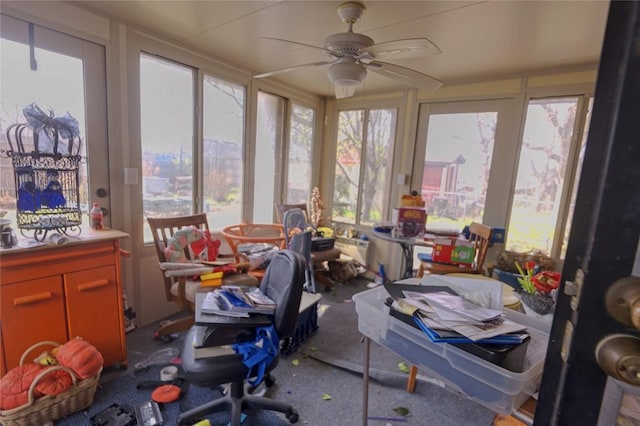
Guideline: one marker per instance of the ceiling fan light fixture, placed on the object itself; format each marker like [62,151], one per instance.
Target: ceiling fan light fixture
[346,74]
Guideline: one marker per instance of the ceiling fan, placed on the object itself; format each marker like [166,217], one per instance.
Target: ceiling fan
[352,54]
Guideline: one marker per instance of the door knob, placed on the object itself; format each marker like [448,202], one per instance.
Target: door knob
[619,356]
[623,301]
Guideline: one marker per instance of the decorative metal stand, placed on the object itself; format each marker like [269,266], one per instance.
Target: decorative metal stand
[46,181]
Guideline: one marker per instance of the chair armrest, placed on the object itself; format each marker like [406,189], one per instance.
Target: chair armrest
[241,260]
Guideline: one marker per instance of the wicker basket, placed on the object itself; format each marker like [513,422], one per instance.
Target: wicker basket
[51,407]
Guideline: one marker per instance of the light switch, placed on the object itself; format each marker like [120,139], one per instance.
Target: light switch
[403,179]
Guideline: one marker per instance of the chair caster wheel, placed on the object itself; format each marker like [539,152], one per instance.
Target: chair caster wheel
[269,381]
[292,416]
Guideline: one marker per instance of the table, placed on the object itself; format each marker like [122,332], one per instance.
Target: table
[407,249]
[498,389]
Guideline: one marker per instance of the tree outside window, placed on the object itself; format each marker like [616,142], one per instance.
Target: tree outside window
[363,165]
[542,174]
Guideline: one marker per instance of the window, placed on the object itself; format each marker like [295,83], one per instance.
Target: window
[301,136]
[362,181]
[169,162]
[453,175]
[546,160]
[61,74]
[283,159]
[223,151]
[269,143]
[167,128]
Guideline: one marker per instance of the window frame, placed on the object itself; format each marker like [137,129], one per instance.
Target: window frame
[396,147]
[499,180]
[93,56]
[583,94]
[140,42]
[289,96]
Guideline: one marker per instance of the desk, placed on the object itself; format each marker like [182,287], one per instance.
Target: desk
[407,249]
[498,389]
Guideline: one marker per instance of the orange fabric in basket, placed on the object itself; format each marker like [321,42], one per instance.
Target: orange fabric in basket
[166,393]
[54,383]
[14,386]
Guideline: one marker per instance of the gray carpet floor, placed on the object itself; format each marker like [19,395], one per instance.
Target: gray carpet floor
[322,379]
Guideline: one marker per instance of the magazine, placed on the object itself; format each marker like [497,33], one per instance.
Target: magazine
[237,302]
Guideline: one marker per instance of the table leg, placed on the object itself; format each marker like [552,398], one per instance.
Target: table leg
[365,382]
[407,252]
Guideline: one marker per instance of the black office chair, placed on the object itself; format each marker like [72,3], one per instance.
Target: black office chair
[283,282]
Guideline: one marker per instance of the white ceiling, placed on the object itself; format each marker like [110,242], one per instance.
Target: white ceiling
[479,39]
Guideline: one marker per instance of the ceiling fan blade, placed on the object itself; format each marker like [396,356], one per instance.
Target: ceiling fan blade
[295,67]
[405,75]
[344,91]
[327,51]
[407,48]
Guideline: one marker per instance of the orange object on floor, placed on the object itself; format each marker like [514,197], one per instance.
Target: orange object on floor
[166,393]
[411,382]
[500,420]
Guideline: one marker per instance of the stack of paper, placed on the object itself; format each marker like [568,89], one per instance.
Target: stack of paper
[237,302]
[446,317]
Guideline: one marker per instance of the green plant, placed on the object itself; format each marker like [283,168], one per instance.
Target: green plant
[525,278]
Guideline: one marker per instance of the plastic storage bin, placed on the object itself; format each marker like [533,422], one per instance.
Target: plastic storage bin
[307,322]
[496,388]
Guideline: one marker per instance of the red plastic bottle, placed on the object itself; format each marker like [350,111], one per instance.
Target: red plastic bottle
[96,217]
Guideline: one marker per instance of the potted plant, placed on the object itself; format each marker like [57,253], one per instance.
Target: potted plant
[537,289]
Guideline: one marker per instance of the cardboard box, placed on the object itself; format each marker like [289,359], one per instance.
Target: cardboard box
[410,221]
[453,251]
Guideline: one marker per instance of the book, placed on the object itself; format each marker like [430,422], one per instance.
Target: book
[227,319]
[212,351]
[213,279]
[248,299]
[450,336]
[237,302]
[258,297]
[215,303]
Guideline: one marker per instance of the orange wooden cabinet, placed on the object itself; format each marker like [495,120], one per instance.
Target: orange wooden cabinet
[57,293]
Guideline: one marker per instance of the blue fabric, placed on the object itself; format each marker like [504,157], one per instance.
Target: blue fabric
[52,196]
[260,353]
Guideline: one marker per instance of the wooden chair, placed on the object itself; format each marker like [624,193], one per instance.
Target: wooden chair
[182,289]
[479,235]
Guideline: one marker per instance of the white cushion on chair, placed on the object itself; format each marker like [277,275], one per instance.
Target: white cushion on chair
[190,290]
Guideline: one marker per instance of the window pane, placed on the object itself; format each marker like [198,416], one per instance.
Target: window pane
[347,173]
[300,154]
[167,122]
[269,133]
[456,167]
[378,160]
[56,85]
[222,163]
[543,159]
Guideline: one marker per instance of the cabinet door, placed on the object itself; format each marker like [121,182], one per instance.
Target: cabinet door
[94,310]
[32,312]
